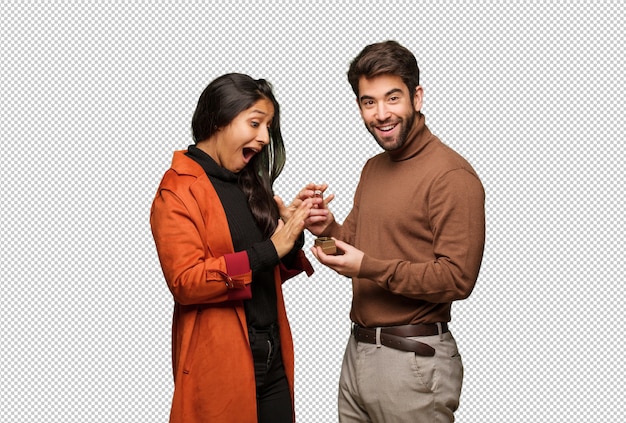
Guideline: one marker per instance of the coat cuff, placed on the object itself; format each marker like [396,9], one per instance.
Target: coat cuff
[240,276]
[298,265]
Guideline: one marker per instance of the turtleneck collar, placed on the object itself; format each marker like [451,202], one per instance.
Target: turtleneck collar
[416,140]
[210,166]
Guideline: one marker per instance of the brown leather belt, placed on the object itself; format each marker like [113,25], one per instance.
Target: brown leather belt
[396,336]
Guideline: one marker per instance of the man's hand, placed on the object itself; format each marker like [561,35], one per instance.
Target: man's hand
[312,192]
[320,217]
[346,264]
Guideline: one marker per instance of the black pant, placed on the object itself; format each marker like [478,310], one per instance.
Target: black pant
[272,390]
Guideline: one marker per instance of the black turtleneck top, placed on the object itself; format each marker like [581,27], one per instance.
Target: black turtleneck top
[261,309]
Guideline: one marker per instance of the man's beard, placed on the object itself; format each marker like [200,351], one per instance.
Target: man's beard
[407,124]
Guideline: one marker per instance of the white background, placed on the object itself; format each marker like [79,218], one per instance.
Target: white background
[97,95]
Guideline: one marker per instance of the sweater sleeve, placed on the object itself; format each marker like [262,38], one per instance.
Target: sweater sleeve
[346,231]
[192,277]
[290,258]
[295,262]
[457,219]
[263,256]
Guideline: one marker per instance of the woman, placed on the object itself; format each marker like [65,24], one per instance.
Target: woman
[224,254]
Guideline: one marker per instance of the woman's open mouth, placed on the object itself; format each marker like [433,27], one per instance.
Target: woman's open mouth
[248,153]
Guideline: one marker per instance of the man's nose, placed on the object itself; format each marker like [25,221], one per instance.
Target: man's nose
[382,112]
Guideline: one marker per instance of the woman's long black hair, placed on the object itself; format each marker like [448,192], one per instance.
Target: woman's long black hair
[220,102]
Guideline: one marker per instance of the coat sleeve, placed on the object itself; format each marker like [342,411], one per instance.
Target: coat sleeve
[192,276]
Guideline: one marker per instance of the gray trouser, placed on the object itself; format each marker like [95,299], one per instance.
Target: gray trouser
[379,384]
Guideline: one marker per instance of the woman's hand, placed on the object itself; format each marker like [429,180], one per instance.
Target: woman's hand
[287,232]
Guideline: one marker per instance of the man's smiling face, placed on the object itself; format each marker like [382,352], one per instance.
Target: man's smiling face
[388,109]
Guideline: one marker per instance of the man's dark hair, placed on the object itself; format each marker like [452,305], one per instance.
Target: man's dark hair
[385,58]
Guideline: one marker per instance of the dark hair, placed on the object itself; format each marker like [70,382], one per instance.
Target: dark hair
[385,58]
[220,102]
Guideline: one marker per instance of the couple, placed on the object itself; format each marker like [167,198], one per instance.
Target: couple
[412,244]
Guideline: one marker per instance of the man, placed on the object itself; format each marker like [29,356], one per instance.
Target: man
[412,244]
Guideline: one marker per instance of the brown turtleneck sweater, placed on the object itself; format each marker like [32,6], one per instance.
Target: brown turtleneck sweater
[419,217]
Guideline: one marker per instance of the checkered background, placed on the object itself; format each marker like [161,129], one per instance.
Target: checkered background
[97,95]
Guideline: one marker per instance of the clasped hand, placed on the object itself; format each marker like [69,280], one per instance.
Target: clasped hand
[320,218]
[290,225]
[306,208]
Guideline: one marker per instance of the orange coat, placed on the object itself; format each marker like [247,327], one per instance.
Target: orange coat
[212,362]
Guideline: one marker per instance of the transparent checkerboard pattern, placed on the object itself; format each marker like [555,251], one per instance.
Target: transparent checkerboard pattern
[96,96]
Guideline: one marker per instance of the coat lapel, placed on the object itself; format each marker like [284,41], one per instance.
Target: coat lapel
[215,230]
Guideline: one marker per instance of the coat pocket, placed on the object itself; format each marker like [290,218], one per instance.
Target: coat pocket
[193,343]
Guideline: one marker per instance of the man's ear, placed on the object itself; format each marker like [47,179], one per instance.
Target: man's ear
[418,98]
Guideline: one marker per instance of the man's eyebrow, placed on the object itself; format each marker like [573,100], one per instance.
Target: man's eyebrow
[387,94]
[393,91]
